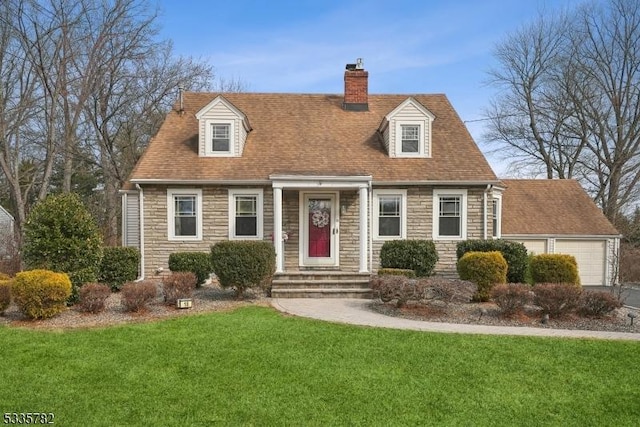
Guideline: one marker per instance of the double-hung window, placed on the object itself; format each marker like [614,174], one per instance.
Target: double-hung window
[410,138]
[245,214]
[450,211]
[184,207]
[390,213]
[220,137]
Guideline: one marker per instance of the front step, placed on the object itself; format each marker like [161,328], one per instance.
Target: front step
[321,284]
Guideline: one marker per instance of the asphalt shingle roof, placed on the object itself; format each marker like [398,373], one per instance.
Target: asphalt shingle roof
[551,207]
[311,134]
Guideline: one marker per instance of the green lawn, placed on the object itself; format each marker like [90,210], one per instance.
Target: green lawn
[256,366]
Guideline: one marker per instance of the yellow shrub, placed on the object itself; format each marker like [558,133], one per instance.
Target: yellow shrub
[40,294]
[554,268]
[485,269]
[4,277]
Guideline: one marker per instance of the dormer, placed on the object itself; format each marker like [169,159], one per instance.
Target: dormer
[222,129]
[406,131]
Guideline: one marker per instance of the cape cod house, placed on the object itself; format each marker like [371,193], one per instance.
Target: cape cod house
[327,178]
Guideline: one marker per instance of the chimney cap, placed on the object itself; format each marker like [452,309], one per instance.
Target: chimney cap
[359,65]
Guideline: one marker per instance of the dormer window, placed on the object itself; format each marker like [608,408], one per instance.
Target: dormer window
[410,138]
[223,129]
[220,137]
[406,131]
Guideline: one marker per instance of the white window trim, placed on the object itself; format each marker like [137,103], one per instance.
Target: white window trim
[259,193]
[208,149]
[422,152]
[403,213]
[171,193]
[436,213]
[498,199]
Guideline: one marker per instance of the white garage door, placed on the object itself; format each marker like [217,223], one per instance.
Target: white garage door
[535,246]
[590,255]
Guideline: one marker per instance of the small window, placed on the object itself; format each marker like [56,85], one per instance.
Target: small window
[390,213]
[450,214]
[220,140]
[184,208]
[410,138]
[496,207]
[245,214]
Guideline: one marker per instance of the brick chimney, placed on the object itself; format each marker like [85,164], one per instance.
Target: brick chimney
[356,87]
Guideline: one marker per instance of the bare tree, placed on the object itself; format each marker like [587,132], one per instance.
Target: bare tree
[570,100]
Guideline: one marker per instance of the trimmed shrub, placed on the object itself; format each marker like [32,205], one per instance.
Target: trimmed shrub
[40,294]
[597,303]
[422,291]
[417,255]
[199,263]
[92,297]
[5,295]
[556,299]
[511,298]
[513,252]
[136,295]
[178,285]
[243,264]
[119,265]
[61,235]
[554,268]
[396,272]
[485,269]
[397,287]
[4,277]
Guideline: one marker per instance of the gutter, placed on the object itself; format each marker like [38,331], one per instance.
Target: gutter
[141,209]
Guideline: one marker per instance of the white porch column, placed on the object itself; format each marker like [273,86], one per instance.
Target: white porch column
[277,229]
[363,193]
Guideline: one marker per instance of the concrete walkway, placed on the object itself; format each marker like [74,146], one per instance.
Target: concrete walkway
[356,312]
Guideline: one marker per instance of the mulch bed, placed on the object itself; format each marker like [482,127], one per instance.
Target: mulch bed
[208,298]
[489,314]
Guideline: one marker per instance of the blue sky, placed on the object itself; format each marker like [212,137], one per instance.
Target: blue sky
[408,46]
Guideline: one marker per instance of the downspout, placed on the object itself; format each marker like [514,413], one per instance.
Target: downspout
[484,211]
[370,213]
[141,224]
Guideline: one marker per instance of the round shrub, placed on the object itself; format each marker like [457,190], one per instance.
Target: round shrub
[198,263]
[511,298]
[119,265]
[556,299]
[61,235]
[5,295]
[93,297]
[417,255]
[485,269]
[554,268]
[597,303]
[178,285]
[514,253]
[40,294]
[134,296]
[243,264]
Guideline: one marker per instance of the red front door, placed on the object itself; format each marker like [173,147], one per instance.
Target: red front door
[319,228]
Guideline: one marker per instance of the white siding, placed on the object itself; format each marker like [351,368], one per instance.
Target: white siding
[591,258]
[131,220]
[410,113]
[6,232]
[221,112]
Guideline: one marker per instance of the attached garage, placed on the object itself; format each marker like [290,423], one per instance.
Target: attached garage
[590,255]
[557,216]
